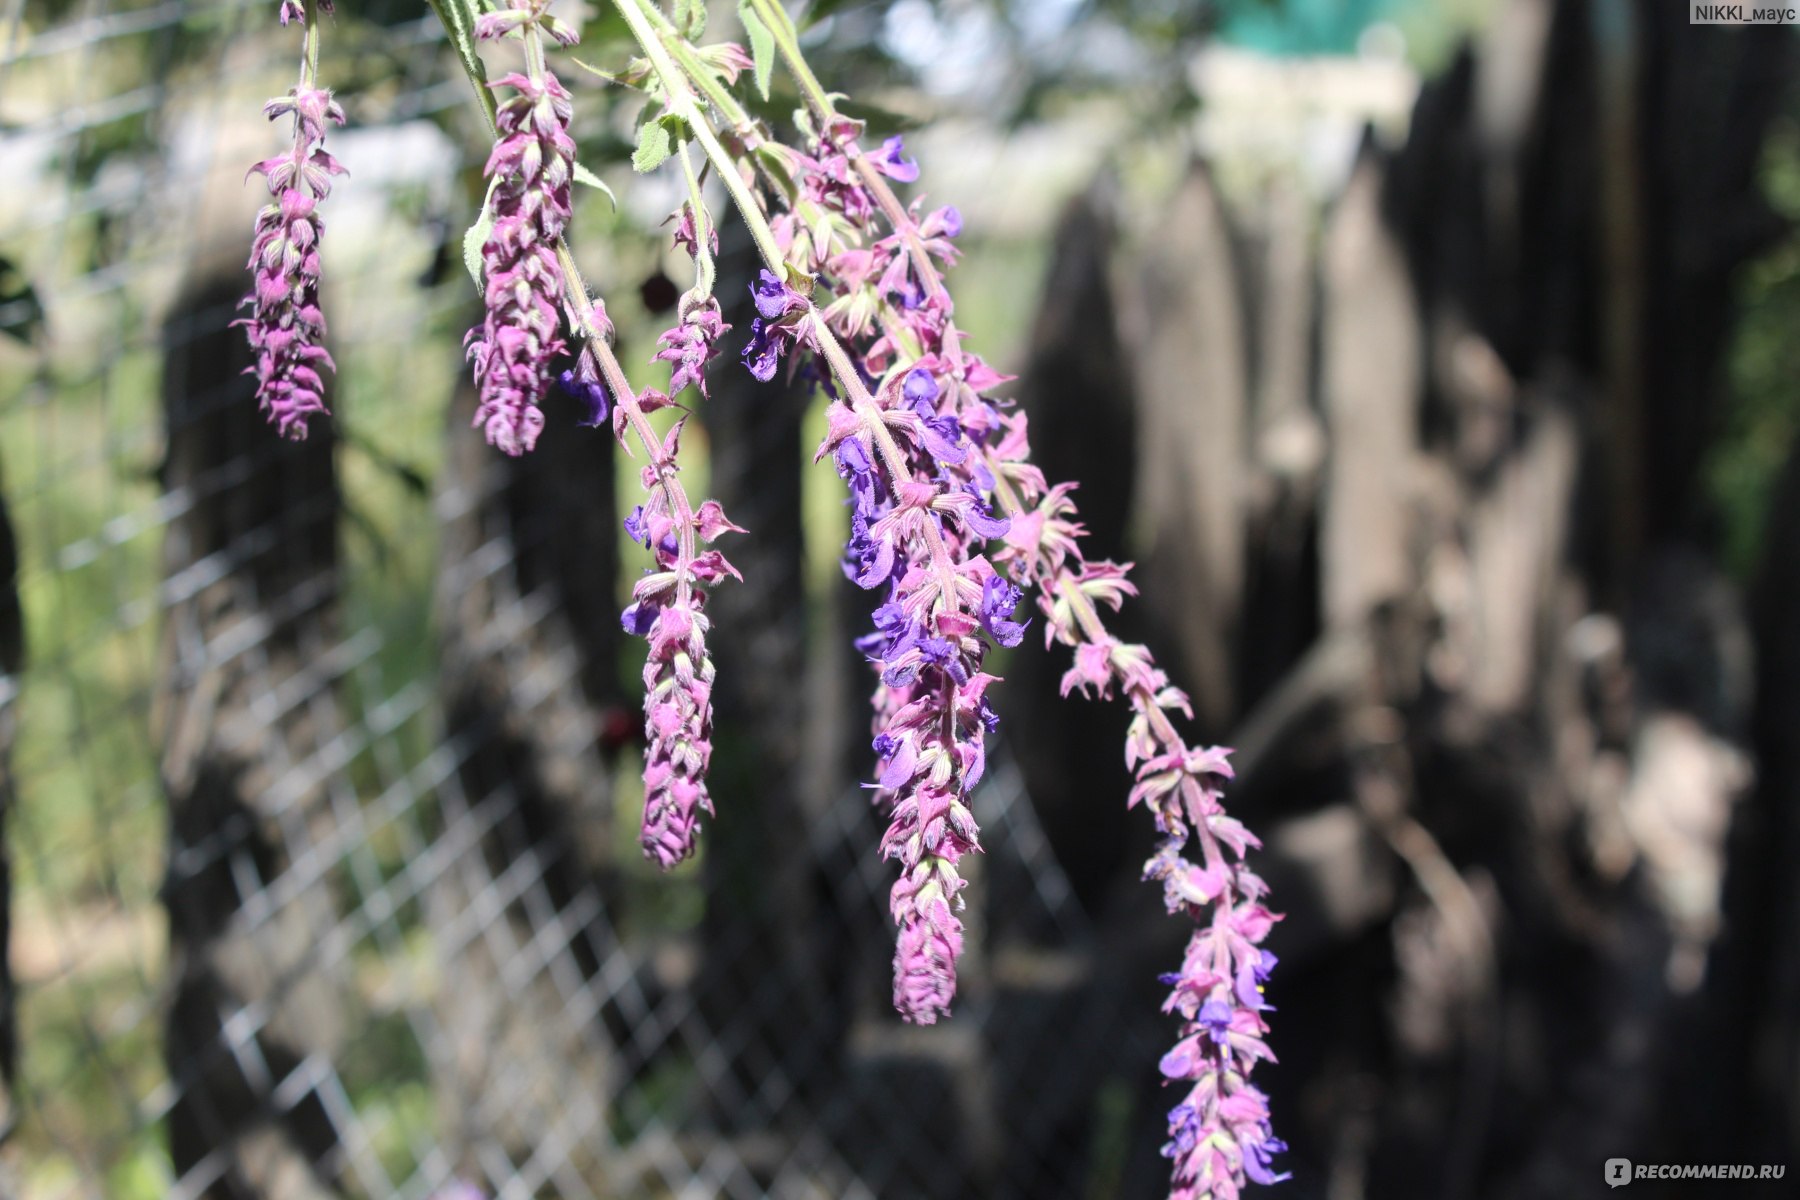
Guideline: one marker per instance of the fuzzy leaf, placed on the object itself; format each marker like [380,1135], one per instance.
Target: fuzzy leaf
[653,146]
[657,140]
[478,234]
[634,76]
[762,46]
[583,175]
[690,18]
[458,19]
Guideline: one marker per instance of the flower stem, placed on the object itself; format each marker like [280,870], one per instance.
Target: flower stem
[679,507]
[787,41]
[703,260]
[643,19]
[681,102]
[309,64]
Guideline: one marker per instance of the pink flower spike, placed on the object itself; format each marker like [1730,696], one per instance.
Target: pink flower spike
[285,325]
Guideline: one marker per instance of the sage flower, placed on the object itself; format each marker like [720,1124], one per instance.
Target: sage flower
[691,343]
[286,327]
[892,304]
[532,166]
[776,328]
[668,609]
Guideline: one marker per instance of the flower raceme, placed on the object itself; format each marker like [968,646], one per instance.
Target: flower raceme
[286,327]
[531,169]
[667,610]
[890,302]
[951,525]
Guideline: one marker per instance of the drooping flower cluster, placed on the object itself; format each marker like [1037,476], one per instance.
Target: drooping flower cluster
[950,522]
[694,339]
[890,302]
[921,517]
[532,167]
[1220,1133]
[667,609]
[286,327]
[667,605]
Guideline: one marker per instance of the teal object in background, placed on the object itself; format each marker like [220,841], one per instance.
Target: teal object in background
[1430,30]
[1293,27]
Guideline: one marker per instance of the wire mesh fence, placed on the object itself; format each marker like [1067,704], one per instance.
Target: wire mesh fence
[319,821]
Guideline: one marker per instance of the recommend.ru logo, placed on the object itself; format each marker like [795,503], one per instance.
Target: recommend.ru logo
[1620,1171]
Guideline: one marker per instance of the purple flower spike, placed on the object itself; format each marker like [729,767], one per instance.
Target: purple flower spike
[923,536]
[678,680]
[889,161]
[668,609]
[533,165]
[286,326]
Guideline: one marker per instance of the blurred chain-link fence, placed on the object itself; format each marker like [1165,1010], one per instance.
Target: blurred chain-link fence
[316,759]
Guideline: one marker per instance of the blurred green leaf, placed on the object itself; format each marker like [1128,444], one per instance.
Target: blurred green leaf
[762,46]
[583,175]
[458,20]
[477,235]
[653,147]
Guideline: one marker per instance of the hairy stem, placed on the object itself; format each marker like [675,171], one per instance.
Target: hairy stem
[681,101]
[620,387]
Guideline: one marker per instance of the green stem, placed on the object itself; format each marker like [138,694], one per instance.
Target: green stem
[534,53]
[309,63]
[681,102]
[447,15]
[680,508]
[787,41]
[638,15]
[703,262]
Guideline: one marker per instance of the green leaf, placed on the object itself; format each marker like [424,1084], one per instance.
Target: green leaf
[690,18]
[762,46]
[458,19]
[478,234]
[656,140]
[652,146]
[818,10]
[583,175]
[635,74]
